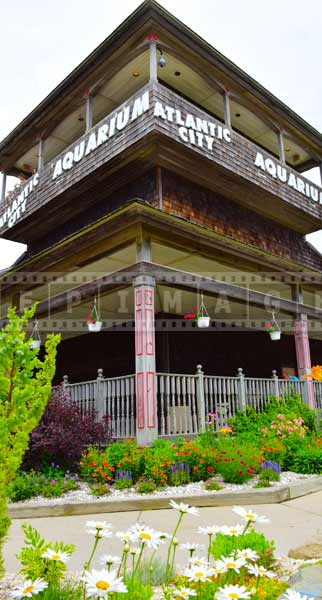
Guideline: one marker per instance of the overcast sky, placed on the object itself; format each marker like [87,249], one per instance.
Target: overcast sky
[277,42]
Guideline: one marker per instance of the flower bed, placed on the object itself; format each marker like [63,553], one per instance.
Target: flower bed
[230,563]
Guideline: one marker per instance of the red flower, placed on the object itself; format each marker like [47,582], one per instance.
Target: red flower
[210,469]
[89,320]
[190,316]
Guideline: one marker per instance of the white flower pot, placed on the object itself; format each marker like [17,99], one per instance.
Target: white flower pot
[35,344]
[203,322]
[95,327]
[275,335]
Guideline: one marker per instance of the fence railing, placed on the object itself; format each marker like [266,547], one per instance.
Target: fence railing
[183,401]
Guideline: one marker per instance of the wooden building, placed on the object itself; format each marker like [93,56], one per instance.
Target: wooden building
[156,172]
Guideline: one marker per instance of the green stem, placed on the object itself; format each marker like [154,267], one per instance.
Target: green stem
[171,544]
[247,526]
[209,546]
[139,559]
[89,562]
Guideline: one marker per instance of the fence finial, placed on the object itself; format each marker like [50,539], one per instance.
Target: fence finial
[199,369]
[240,372]
[100,373]
[65,380]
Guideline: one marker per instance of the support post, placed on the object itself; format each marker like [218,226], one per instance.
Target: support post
[227,107]
[241,391]
[145,376]
[153,59]
[41,153]
[321,173]
[89,112]
[65,384]
[303,357]
[100,397]
[201,399]
[281,145]
[3,187]
[276,392]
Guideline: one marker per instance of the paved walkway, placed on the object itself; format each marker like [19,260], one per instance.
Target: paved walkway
[293,523]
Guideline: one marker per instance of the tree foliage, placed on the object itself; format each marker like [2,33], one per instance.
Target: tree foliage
[25,387]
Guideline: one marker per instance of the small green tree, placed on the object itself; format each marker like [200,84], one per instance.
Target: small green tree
[25,387]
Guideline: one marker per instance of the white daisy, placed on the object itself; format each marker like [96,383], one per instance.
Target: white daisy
[29,588]
[210,530]
[197,561]
[99,528]
[259,571]
[146,535]
[250,515]
[199,573]
[56,555]
[191,547]
[184,592]
[247,554]
[108,559]
[184,508]
[126,536]
[227,563]
[100,583]
[232,592]
[293,595]
[232,530]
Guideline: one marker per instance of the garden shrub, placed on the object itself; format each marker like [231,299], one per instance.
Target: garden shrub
[27,485]
[306,460]
[223,545]
[63,433]
[237,463]
[25,386]
[145,486]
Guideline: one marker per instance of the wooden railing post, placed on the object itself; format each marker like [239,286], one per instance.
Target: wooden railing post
[201,399]
[65,383]
[241,391]
[100,399]
[276,391]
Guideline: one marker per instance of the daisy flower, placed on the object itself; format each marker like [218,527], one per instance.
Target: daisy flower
[232,592]
[199,573]
[247,554]
[107,559]
[259,571]
[29,588]
[146,535]
[210,530]
[99,528]
[100,583]
[184,508]
[184,592]
[56,555]
[126,536]
[198,561]
[227,563]
[191,547]
[250,515]
[293,595]
[232,530]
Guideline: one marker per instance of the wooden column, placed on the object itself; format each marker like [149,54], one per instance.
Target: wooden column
[41,152]
[281,145]
[227,107]
[303,357]
[145,377]
[153,58]
[3,187]
[89,112]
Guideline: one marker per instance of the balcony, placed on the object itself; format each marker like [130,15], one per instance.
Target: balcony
[157,126]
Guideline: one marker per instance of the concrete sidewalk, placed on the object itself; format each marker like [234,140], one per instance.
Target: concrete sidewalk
[293,523]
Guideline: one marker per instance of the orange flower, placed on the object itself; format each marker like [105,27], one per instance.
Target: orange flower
[316,373]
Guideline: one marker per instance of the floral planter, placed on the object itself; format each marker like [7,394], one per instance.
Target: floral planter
[35,344]
[95,327]
[275,335]
[203,322]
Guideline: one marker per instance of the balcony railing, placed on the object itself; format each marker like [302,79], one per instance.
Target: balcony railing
[183,401]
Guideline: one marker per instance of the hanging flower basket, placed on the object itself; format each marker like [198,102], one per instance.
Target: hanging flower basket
[273,329]
[200,315]
[93,321]
[35,339]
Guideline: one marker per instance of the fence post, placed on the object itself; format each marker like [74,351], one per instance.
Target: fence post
[276,391]
[241,391]
[65,384]
[201,399]
[100,399]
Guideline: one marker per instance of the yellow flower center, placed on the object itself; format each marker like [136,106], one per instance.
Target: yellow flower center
[233,595]
[233,531]
[249,517]
[145,536]
[231,565]
[102,585]
[56,557]
[28,589]
[199,574]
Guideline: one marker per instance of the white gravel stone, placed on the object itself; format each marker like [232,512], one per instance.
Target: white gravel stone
[83,494]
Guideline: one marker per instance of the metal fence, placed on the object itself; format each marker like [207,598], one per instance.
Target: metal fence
[183,401]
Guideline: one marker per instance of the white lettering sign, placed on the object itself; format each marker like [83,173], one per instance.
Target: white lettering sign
[283,174]
[19,204]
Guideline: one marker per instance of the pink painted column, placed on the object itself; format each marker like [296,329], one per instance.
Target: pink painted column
[145,381]
[303,356]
